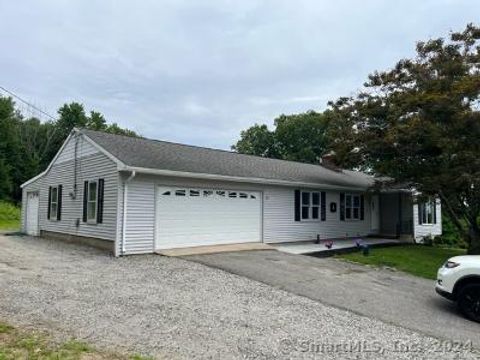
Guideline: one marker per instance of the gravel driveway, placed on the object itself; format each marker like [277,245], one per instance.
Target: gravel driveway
[177,309]
[390,296]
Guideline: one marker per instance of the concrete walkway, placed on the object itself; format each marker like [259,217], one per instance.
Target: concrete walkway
[310,247]
[390,296]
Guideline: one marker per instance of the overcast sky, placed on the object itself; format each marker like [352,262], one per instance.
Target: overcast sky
[199,72]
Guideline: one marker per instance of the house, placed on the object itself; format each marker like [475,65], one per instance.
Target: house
[134,195]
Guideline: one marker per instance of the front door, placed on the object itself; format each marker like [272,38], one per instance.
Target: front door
[31,221]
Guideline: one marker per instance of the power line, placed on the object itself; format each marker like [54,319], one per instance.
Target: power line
[27,103]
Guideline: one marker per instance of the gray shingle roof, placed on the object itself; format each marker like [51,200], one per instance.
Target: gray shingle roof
[155,154]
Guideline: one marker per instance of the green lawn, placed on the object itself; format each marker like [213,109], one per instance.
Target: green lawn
[33,345]
[9,216]
[418,260]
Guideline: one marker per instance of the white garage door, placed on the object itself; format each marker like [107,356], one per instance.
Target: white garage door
[194,217]
[32,214]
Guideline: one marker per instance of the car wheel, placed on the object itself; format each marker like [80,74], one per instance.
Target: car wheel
[469,301]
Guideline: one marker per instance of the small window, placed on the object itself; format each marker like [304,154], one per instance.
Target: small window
[427,212]
[352,207]
[194,193]
[180,192]
[243,196]
[207,193]
[221,193]
[54,203]
[232,194]
[92,201]
[310,207]
[166,193]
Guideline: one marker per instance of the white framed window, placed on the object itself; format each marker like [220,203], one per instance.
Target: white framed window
[54,202]
[427,212]
[310,205]
[92,196]
[352,207]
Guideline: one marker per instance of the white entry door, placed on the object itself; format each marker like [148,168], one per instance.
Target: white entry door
[31,221]
[375,213]
[193,217]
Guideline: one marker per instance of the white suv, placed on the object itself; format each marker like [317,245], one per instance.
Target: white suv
[459,280]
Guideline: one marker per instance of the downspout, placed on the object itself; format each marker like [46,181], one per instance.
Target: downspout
[125,195]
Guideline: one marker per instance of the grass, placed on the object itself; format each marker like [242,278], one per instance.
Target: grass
[33,345]
[9,217]
[418,260]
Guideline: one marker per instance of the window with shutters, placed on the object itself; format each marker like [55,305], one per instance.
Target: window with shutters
[352,207]
[54,202]
[310,205]
[427,212]
[92,196]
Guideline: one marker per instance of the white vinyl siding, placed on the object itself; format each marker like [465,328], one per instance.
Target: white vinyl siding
[280,226]
[83,148]
[278,223]
[91,166]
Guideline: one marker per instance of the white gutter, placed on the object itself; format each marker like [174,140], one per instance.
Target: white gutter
[125,195]
[236,178]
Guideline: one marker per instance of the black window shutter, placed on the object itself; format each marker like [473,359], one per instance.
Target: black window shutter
[297,205]
[324,206]
[434,201]
[420,215]
[85,199]
[362,207]
[49,201]
[342,206]
[101,186]
[59,203]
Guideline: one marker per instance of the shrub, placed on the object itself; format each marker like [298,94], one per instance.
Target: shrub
[9,212]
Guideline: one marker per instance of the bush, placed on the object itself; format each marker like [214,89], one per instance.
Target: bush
[448,241]
[9,212]
[450,235]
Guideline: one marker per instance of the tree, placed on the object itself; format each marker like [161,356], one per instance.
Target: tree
[10,156]
[420,123]
[300,137]
[70,116]
[257,140]
[96,121]
[117,130]
[27,146]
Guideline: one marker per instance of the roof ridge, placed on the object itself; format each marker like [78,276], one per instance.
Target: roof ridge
[214,149]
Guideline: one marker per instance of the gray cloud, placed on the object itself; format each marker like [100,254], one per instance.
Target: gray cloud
[199,72]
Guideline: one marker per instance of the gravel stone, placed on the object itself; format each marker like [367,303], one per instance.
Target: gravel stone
[177,309]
